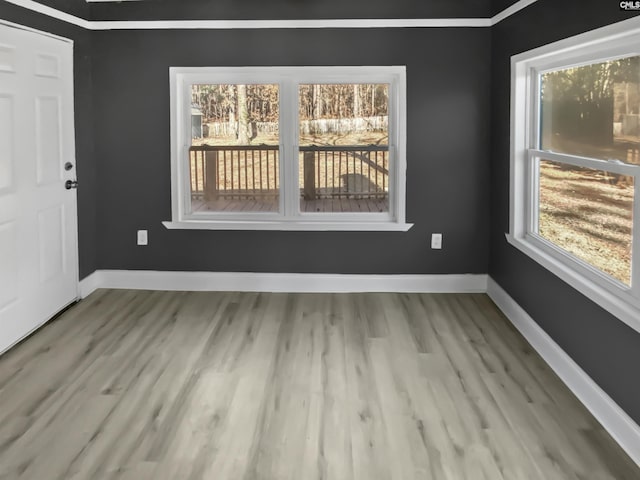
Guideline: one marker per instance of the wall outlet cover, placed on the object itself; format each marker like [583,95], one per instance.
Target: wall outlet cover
[143,237]
[436,241]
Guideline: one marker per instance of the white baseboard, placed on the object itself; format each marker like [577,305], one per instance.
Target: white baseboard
[615,420]
[280,282]
[89,284]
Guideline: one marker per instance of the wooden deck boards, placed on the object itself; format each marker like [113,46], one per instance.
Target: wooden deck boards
[270,204]
[226,386]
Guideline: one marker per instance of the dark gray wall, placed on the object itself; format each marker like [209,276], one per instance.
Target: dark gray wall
[86,168]
[79,8]
[288,9]
[499,5]
[447,150]
[602,345]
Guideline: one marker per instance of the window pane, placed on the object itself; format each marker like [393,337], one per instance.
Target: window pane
[588,213]
[234,153]
[344,147]
[593,110]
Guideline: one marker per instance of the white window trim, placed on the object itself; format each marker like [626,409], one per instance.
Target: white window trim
[288,79]
[620,39]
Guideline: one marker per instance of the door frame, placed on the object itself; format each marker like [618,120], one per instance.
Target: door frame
[26,28]
[73,158]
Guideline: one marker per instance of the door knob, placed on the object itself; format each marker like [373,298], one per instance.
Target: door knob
[69,184]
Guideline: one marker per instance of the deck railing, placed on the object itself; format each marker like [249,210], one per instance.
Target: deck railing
[251,171]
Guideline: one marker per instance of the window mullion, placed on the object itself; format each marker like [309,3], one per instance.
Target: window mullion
[533,192]
[531,142]
[288,117]
[294,187]
[184,144]
[635,242]
[534,141]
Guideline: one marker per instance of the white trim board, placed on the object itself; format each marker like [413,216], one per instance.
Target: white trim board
[507,12]
[615,420]
[17,26]
[52,12]
[288,24]
[281,282]
[259,24]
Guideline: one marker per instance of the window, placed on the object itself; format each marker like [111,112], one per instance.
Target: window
[575,164]
[288,148]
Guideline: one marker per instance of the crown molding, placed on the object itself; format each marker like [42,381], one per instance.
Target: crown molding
[262,24]
[52,12]
[288,24]
[507,12]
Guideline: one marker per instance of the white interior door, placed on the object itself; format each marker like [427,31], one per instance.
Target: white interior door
[38,219]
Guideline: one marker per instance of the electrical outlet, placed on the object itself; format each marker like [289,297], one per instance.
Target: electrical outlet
[436,241]
[143,237]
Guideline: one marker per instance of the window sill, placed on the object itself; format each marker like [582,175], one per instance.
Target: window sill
[622,306]
[289,226]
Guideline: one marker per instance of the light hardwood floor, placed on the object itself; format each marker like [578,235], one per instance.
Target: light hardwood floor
[240,386]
